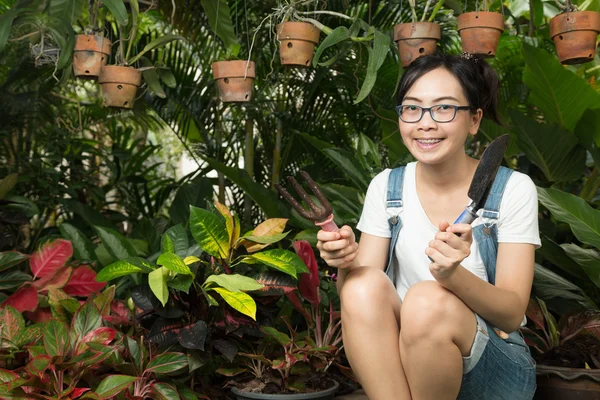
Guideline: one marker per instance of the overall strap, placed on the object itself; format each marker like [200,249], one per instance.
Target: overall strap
[486,235]
[394,200]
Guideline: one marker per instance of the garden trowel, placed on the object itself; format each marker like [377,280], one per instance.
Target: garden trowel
[484,178]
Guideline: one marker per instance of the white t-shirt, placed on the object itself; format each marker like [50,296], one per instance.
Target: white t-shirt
[517,223]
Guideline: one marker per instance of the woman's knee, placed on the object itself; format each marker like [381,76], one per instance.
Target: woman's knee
[426,310]
[366,288]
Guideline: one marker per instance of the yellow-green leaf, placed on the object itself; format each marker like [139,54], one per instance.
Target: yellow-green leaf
[173,262]
[210,232]
[270,227]
[282,260]
[229,223]
[235,282]
[157,280]
[190,260]
[239,301]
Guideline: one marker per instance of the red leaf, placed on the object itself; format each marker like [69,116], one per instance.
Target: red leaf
[309,283]
[41,314]
[56,280]
[24,299]
[50,257]
[78,392]
[83,282]
[119,313]
[101,335]
[293,298]
[534,313]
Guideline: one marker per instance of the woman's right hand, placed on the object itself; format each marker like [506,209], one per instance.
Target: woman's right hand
[338,249]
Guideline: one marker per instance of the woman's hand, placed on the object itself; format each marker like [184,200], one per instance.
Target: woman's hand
[451,245]
[338,249]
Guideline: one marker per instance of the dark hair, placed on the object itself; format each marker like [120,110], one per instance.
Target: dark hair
[477,78]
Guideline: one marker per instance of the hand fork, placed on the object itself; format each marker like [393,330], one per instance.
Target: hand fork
[321,215]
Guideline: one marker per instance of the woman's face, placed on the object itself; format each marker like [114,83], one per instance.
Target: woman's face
[432,142]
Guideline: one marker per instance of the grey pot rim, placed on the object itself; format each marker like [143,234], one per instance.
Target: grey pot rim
[295,396]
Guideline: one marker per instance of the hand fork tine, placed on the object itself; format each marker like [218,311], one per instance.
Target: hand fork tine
[320,214]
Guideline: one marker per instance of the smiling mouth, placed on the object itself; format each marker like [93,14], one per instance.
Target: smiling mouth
[429,141]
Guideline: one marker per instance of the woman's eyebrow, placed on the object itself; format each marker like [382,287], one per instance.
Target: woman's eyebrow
[434,100]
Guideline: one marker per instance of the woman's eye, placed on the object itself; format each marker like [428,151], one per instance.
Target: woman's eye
[445,107]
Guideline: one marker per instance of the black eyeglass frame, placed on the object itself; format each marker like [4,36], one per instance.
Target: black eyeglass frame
[423,109]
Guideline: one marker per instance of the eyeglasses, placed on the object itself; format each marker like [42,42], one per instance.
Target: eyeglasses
[439,113]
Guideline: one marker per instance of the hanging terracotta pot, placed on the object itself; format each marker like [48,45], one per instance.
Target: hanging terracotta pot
[297,41]
[416,39]
[235,80]
[480,32]
[574,34]
[90,54]
[119,85]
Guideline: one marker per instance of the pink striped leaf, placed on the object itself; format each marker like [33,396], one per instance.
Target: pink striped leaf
[50,257]
[308,283]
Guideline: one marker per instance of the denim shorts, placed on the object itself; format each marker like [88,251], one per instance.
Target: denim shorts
[497,368]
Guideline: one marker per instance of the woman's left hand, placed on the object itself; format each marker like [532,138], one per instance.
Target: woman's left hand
[451,245]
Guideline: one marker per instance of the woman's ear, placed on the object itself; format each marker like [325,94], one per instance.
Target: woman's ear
[475,121]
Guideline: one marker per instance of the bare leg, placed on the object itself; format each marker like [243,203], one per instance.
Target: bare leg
[438,330]
[370,327]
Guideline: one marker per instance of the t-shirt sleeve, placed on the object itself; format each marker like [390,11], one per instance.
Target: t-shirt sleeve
[518,220]
[373,219]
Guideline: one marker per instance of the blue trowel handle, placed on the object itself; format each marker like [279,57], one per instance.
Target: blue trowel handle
[467,216]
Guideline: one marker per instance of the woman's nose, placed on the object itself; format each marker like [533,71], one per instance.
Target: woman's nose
[426,121]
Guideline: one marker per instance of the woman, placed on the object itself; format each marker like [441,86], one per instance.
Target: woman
[446,328]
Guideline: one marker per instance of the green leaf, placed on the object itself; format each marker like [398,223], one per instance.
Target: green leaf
[377,54]
[113,385]
[151,77]
[588,259]
[158,42]
[179,240]
[266,199]
[557,256]
[56,338]
[553,149]
[559,93]
[565,207]
[235,282]
[239,301]
[116,244]
[336,36]
[83,248]
[6,21]
[167,362]
[282,260]
[281,337]
[9,181]
[124,267]
[13,279]
[12,324]
[86,319]
[219,19]
[197,193]
[588,133]
[11,258]
[118,10]
[210,232]
[71,10]
[174,263]
[157,280]
[181,282]
[166,75]
[164,391]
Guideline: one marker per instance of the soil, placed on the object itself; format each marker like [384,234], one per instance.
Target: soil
[573,353]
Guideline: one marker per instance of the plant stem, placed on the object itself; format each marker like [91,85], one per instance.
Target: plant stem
[249,165]
[425,11]
[531,18]
[335,14]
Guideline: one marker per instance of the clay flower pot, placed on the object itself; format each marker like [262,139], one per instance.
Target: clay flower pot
[415,40]
[90,54]
[574,34]
[480,32]
[297,43]
[119,85]
[229,76]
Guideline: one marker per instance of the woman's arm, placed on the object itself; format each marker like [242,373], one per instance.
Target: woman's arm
[372,252]
[504,304]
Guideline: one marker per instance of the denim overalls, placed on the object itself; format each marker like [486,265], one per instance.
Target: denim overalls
[505,368]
